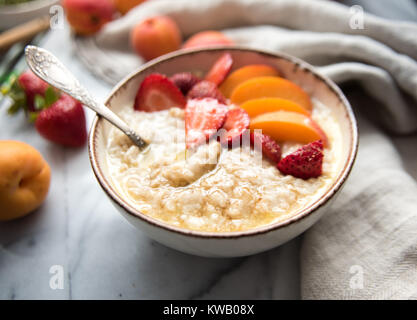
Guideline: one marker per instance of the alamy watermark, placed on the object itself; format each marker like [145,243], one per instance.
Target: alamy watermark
[56,22]
[356,280]
[357,19]
[56,281]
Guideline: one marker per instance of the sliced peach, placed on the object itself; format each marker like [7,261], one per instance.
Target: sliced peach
[289,126]
[245,73]
[256,107]
[270,87]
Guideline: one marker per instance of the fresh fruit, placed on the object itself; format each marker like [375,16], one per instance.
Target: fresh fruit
[57,117]
[123,6]
[207,39]
[63,122]
[155,36]
[24,179]
[256,107]
[185,81]
[86,17]
[203,117]
[245,73]
[270,148]
[206,89]
[157,93]
[270,87]
[28,93]
[220,69]
[32,86]
[305,162]
[236,123]
[288,126]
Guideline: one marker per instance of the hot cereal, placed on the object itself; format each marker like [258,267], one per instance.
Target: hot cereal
[195,178]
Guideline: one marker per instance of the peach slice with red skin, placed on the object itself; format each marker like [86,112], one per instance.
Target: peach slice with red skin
[289,126]
[256,107]
[270,87]
[245,73]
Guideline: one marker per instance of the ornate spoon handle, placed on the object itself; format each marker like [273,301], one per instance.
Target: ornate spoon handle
[47,67]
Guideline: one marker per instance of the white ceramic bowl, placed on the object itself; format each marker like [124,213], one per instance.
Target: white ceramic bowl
[231,244]
[14,14]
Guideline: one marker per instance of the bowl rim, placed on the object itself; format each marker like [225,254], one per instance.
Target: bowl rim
[301,214]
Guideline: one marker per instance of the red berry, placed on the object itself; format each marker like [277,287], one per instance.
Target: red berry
[206,89]
[185,81]
[157,93]
[270,148]
[203,117]
[31,85]
[305,162]
[220,69]
[237,122]
[63,122]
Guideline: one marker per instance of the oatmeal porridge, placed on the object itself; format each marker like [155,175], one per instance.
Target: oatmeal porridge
[237,189]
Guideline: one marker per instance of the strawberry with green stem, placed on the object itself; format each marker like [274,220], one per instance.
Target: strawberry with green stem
[57,117]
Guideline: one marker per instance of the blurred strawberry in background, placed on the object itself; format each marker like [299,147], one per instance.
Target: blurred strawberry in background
[63,122]
[58,117]
[32,86]
[86,17]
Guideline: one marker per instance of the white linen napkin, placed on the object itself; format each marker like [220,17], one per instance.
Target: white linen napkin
[366,246]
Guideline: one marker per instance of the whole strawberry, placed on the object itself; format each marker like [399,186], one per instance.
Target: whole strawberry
[32,86]
[63,122]
[305,162]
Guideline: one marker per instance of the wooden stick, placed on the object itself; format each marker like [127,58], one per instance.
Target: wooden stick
[23,32]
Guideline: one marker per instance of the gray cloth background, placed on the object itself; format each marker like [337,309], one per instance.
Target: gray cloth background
[366,246]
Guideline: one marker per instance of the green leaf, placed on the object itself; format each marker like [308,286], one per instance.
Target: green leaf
[19,101]
[39,102]
[51,96]
[32,116]
[9,82]
[14,108]
[15,92]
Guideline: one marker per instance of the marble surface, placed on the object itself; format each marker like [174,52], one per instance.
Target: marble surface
[102,255]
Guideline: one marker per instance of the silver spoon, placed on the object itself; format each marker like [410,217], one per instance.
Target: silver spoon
[47,67]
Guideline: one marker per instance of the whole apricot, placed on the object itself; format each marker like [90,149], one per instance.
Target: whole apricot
[155,36]
[207,39]
[86,17]
[123,6]
[24,179]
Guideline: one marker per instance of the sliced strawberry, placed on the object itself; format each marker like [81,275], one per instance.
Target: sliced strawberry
[185,81]
[237,122]
[157,93]
[63,122]
[220,69]
[305,162]
[31,85]
[206,89]
[203,117]
[270,148]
